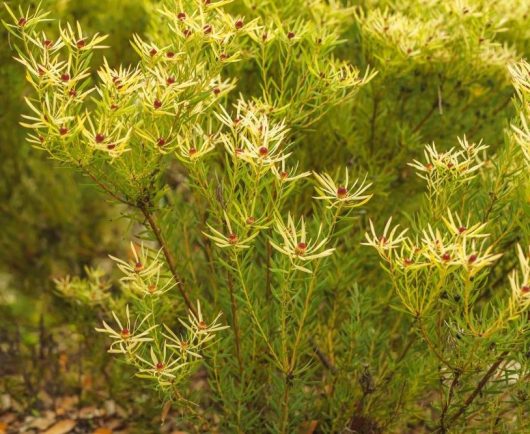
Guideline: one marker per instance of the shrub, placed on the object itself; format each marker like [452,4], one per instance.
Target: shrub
[257,211]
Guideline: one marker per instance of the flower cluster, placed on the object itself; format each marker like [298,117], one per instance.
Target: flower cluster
[231,239]
[456,165]
[128,337]
[455,247]
[343,195]
[520,281]
[296,244]
[92,290]
[144,273]
[254,138]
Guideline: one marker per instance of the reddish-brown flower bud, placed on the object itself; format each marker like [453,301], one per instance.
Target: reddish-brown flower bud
[72,92]
[284,175]
[47,43]
[161,142]
[446,257]
[407,262]
[80,44]
[65,77]
[202,325]
[125,333]
[232,239]
[239,24]
[99,138]
[187,32]
[290,35]
[157,104]
[114,106]
[525,289]
[170,81]
[138,267]
[472,259]
[251,220]
[151,288]
[111,146]
[342,192]
[22,22]
[216,91]
[159,366]
[192,151]
[181,16]
[301,248]
[153,52]
[207,29]
[462,229]
[63,131]
[263,151]
[223,56]
[170,54]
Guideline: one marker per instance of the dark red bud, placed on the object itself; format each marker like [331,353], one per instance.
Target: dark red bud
[342,192]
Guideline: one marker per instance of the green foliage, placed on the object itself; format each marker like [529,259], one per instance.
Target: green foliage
[259,151]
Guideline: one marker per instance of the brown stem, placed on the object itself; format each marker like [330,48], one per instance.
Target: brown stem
[169,257]
[105,188]
[235,322]
[324,359]
[469,400]
[447,403]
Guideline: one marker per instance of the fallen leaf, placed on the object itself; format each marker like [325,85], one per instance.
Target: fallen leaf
[103,430]
[309,427]
[89,412]
[63,361]
[114,423]
[61,427]
[5,399]
[165,411]
[3,427]
[41,423]
[110,407]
